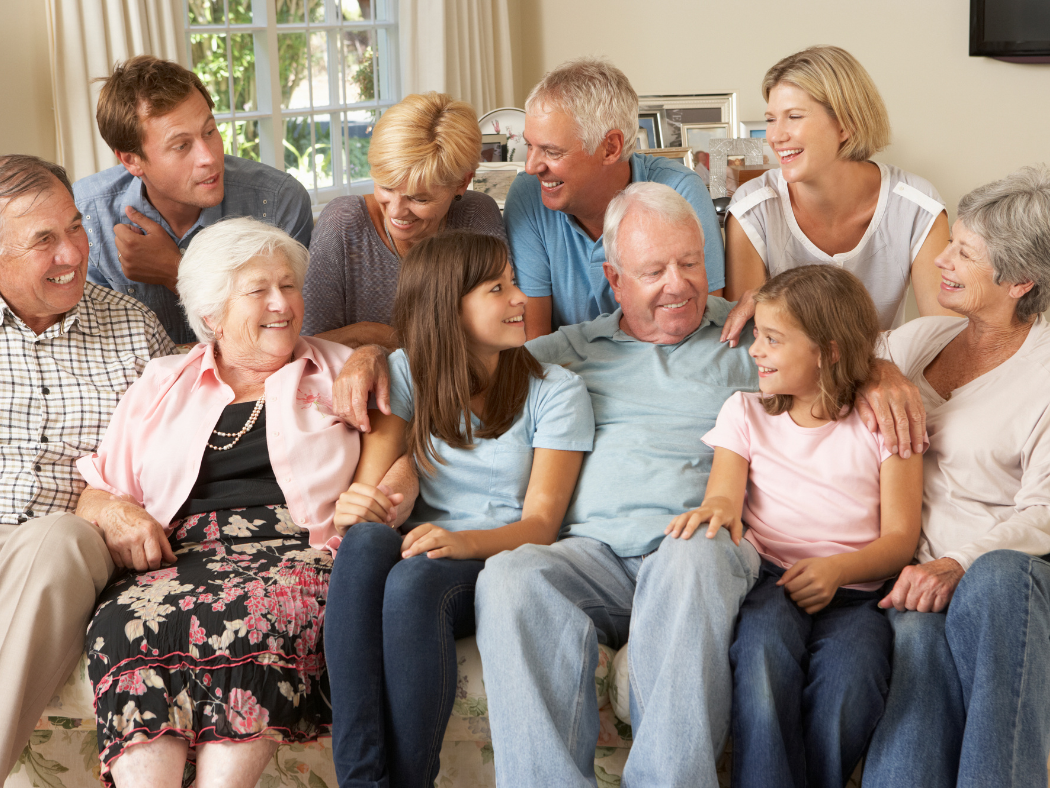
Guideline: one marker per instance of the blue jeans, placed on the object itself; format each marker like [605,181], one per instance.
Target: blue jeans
[390,643]
[542,611]
[969,702]
[807,689]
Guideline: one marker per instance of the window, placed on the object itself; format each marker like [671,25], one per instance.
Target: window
[298,84]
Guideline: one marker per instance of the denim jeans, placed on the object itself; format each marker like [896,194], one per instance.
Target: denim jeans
[969,701]
[390,632]
[542,611]
[807,689]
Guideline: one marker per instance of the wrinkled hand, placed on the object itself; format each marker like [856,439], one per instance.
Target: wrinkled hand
[811,583]
[927,588]
[135,540]
[738,317]
[363,503]
[150,256]
[366,371]
[891,403]
[715,511]
[436,543]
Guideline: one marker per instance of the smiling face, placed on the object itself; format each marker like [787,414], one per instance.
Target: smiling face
[43,256]
[968,278]
[493,315]
[263,315]
[557,158]
[805,137]
[788,361]
[182,164]
[411,217]
[663,285]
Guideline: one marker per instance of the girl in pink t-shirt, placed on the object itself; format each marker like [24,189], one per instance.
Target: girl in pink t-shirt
[831,513]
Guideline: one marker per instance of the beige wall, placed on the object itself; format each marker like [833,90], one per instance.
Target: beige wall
[957,121]
[27,117]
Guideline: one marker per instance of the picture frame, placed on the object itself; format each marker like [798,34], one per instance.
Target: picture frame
[698,136]
[650,121]
[673,110]
[752,129]
[679,154]
[493,147]
[721,150]
[495,178]
[641,140]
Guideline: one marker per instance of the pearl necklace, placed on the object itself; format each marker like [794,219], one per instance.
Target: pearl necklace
[239,434]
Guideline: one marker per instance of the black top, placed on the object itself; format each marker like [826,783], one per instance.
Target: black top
[241,476]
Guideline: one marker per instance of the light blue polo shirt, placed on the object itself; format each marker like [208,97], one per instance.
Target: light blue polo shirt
[249,189]
[484,486]
[652,405]
[554,256]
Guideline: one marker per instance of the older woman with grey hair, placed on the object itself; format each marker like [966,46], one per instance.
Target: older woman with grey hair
[969,700]
[232,452]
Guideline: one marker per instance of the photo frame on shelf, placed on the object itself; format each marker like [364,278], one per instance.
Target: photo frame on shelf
[495,178]
[493,147]
[721,150]
[641,141]
[681,155]
[698,136]
[673,110]
[752,129]
[650,121]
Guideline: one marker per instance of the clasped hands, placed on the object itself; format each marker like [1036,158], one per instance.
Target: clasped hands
[364,503]
[135,540]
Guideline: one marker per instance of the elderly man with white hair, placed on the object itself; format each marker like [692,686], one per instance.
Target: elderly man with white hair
[581,122]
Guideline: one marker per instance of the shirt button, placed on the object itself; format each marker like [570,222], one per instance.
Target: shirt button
[131,291]
[22,518]
[264,214]
[288,479]
[29,512]
[43,439]
[90,244]
[37,468]
[276,434]
[264,202]
[45,390]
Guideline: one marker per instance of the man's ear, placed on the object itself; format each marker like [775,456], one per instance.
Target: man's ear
[132,162]
[612,146]
[614,279]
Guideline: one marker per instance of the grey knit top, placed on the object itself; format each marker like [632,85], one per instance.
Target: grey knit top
[353,275]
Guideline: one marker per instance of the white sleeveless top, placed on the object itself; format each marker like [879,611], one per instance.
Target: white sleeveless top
[907,208]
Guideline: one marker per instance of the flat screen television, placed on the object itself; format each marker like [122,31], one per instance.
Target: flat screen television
[1014,30]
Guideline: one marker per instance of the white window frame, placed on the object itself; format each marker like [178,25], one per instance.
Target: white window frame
[271,117]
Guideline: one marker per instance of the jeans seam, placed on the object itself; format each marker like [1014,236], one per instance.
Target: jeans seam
[1021,683]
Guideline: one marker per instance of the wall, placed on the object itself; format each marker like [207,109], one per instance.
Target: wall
[957,121]
[27,118]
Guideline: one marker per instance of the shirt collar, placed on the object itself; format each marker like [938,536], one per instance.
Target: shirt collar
[135,196]
[608,326]
[81,315]
[206,352]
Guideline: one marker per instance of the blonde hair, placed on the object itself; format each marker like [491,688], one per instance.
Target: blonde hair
[835,79]
[423,141]
[596,95]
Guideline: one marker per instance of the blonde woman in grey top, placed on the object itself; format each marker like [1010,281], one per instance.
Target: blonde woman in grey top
[828,204]
[422,157]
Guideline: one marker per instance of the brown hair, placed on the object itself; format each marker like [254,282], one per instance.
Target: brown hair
[833,309]
[834,78]
[144,86]
[434,277]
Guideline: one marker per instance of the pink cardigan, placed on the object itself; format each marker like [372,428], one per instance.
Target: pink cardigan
[153,448]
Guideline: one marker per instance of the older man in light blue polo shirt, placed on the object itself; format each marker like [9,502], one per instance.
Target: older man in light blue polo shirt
[580,127]
[657,375]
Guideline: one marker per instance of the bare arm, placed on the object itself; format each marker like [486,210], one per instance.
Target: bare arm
[925,276]
[551,483]
[891,403]
[368,499]
[135,540]
[723,500]
[364,333]
[365,372]
[403,480]
[745,273]
[538,311]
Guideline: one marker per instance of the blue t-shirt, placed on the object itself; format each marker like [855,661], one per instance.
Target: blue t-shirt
[250,189]
[652,406]
[554,256]
[484,486]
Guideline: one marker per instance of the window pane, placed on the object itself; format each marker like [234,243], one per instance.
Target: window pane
[383,10]
[322,157]
[299,150]
[209,62]
[316,10]
[380,74]
[358,48]
[291,54]
[206,12]
[357,136]
[248,139]
[245,98]
[319,68]
[241,12]
[290,11]
[351,10]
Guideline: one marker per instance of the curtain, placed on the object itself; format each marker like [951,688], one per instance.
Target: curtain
[87,37]
[459,47]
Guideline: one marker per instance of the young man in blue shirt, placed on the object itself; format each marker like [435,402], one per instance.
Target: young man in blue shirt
[172,181]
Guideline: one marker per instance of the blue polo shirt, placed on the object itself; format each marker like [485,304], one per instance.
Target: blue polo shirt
[554,256]
[250,189]
[652,405]
[483,486]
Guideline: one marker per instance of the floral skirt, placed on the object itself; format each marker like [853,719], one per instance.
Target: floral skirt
[224,645]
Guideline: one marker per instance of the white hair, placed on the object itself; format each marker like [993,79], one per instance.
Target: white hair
[653,199]
[216,255]
[596,95]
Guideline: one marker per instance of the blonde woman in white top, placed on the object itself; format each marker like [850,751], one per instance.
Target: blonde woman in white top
[828,204]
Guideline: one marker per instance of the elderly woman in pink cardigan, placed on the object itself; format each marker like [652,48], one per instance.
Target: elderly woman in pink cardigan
[222,467]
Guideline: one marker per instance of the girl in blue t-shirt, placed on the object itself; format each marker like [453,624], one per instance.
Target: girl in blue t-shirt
[497,440]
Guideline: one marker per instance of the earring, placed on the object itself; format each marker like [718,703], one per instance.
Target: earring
[459,197]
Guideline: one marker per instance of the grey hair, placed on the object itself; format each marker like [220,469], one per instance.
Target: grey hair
[598,97]
[654,200]
[21,174]
[217,254]
[1012,217]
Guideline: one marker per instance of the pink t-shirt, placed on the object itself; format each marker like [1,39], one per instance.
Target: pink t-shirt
[811,492]
[153,447]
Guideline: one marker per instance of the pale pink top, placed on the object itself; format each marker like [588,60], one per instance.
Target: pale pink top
[810,492]
[153,448]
